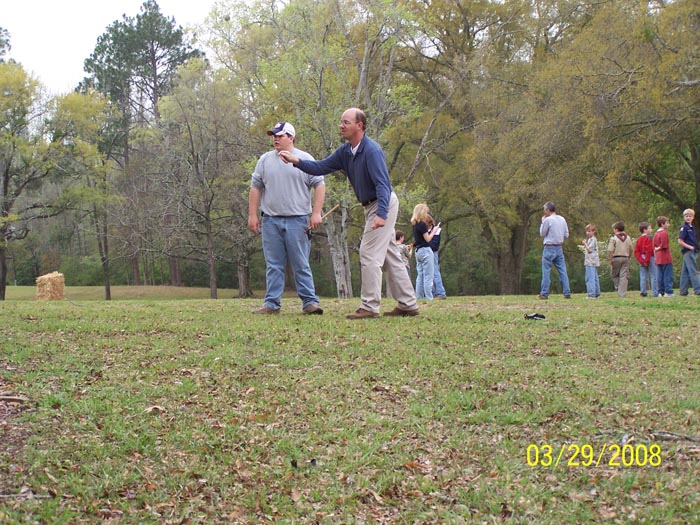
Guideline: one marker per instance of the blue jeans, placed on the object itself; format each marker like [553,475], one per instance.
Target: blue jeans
[438,288]
[426,273]
[665,278]
[285,238]
[554,255]
[648,275]
[592,282]
[689,274]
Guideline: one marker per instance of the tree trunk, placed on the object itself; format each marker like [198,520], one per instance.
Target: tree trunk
[244,277]
[510,261]
[510,258]
[103,248]
[212,262]
[338,243]
[135,272]
[3,271]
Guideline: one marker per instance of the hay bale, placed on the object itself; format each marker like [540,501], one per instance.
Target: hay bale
[50,286]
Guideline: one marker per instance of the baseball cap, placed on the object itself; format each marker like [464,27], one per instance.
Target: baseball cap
[282,128]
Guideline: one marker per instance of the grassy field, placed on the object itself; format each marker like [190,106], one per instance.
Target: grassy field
[193,411]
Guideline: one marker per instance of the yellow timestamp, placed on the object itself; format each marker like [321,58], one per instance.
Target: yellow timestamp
[573,455]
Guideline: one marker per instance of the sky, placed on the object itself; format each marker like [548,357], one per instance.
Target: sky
[52,38]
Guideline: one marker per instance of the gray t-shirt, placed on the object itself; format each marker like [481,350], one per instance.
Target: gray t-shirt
[554,230]
[285,189]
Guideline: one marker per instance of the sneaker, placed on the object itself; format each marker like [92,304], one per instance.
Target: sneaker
[642,294]
[568,296]
[265,310]
[361,313]
[441,297]
[402,313]
[313,308]
[543,297]
[683,294]
[670,295]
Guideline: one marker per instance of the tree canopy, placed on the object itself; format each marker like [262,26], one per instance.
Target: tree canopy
[485,110]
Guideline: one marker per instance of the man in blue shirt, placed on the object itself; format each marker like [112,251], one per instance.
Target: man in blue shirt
[689,247]
[364,164]
[554,231]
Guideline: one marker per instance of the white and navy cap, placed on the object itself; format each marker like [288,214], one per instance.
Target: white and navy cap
[282,128]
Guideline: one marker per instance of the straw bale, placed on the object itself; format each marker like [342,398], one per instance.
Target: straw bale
[50,286]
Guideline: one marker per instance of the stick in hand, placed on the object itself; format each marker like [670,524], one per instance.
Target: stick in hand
[323,218]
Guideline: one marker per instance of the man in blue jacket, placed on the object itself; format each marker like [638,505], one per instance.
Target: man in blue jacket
[364,164]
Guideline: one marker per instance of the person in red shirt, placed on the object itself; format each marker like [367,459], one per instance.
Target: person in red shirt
[664,260]
[644,252]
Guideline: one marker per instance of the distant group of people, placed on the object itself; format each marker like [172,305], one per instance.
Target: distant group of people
[651,250]
[281,207]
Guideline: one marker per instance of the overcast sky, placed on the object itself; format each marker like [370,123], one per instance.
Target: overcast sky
[52,38]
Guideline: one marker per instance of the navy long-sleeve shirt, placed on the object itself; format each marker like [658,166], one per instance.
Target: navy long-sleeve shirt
[366,171]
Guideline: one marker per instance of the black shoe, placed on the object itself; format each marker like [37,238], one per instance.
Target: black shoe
[535,317]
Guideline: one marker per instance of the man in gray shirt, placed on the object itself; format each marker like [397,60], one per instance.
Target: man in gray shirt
[283,194]
[554,231]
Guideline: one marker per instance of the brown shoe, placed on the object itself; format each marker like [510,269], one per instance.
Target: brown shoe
[361,313]
[543,297]
[401,312]
[265,310]
[313,308]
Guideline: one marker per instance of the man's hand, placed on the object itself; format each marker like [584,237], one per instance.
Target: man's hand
[254,223]
[288,157]
[315,221]
[378,222]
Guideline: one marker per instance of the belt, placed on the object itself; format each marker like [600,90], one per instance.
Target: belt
[263,214]
[619,256]
[367,203]
[553,245]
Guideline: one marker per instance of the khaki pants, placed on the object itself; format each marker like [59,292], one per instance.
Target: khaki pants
[378,252]
[620,270]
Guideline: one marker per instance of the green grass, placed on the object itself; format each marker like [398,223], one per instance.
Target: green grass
[170,411]
[120,293]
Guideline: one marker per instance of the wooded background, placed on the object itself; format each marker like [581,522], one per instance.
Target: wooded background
[485,109]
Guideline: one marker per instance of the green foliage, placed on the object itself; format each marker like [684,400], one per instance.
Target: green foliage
[81,271]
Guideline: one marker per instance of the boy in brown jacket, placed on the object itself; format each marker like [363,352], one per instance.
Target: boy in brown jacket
[620,249]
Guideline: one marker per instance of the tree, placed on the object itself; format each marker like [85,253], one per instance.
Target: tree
[80,122]
[307,61]
[27,159]
[133,63]
[4,43]
[644,107]
[205,137]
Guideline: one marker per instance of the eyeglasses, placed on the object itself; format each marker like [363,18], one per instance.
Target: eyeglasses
[346,122]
